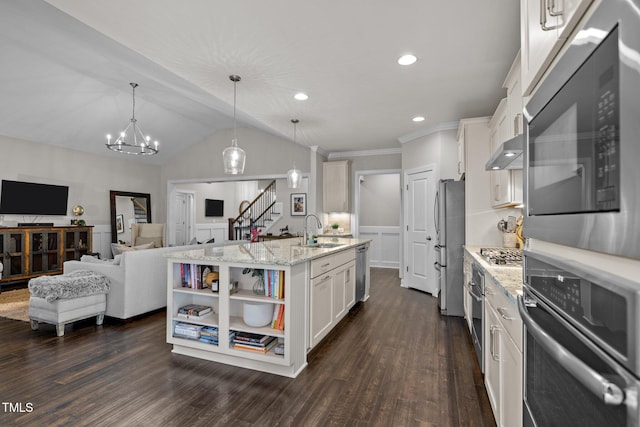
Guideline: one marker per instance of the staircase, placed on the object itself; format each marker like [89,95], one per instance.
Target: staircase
[261,213]
[139,211]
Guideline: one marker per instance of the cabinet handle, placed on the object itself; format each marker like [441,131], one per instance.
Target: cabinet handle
[492,331]
[551,8]
[459,169]
[543,17]
[325,265]
[495,197]
[516,125]
[503,313]
[326,278]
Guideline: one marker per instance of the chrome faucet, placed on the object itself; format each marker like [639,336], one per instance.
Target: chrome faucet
[306,234]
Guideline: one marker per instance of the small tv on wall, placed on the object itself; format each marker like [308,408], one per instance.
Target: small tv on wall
[214,208]
[29,198]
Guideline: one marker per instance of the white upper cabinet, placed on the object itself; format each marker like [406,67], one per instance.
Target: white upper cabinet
[461,152]
[335,189]
[514,98]
[544,26]
[500,127]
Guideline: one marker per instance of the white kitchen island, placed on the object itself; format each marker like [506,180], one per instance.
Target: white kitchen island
[318,284]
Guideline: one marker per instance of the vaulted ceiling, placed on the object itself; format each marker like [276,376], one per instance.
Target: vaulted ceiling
[67,64]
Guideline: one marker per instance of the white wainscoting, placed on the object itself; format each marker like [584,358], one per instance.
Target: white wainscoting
[217,230]
[384,250]
[102,240]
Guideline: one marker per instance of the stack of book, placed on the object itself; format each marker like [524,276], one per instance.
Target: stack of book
[209,335]
[254,342]
[194,311]
[187,330]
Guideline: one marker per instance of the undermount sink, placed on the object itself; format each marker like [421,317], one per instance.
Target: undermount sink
[322,245]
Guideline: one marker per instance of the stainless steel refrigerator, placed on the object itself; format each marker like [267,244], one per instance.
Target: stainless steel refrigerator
[449,224]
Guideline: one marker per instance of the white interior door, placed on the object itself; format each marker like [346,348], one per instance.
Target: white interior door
[179,218]
[420,232]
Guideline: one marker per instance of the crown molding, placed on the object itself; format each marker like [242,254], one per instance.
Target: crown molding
[428,131]
[364,153]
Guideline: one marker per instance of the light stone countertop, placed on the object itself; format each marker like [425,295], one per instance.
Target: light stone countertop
[272,252]
[507,278]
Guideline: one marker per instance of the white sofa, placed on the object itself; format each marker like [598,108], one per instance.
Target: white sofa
[138,281]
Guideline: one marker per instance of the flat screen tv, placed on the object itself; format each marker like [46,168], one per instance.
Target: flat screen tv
[29,198]
[213,207]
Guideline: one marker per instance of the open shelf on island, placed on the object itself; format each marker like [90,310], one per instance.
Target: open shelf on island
[248,295]
[237,324]
[210,319]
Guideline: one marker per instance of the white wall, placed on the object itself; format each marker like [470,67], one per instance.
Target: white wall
[440,148]
[90,177]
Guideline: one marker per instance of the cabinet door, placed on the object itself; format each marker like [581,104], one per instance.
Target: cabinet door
[339,282]
[350,285]
[461,153]
[500,188]
[335,189]
[492,350]
[510,383]
[538,40]
[321,304]
[466,296]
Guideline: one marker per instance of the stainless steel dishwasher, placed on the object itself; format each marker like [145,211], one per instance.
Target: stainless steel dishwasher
[362,263]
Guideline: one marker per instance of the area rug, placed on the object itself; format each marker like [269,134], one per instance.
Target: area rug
[15,304]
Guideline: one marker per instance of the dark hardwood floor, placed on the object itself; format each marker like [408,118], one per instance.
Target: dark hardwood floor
[393,361]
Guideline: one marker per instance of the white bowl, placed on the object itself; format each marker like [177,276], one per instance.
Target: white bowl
[257,314]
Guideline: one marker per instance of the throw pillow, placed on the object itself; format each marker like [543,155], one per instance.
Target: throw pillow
[118,249]
[157,241]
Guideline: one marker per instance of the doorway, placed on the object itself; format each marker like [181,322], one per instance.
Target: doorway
[420,189]
[378,215]
[183,218]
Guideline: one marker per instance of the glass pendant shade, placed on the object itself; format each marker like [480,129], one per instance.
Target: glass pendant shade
[233,158]
[294,177]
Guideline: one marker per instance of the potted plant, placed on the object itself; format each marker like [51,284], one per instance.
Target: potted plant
[335,227]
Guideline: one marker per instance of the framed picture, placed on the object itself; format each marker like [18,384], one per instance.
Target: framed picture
[120,223]
[298,204]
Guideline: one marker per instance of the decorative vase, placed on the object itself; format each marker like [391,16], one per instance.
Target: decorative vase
[258,286]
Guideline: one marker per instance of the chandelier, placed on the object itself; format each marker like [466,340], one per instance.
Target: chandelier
[234,156]
[136,143]
[294,176]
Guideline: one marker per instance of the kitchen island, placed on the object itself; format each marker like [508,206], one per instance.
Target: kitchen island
[213,300]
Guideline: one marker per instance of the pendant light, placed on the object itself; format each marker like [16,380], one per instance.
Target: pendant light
[234,156]
[138,143]
[294,176]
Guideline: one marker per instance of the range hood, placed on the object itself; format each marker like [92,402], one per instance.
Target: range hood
[508,155]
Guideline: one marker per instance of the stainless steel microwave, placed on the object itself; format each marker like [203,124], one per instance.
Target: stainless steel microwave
[582,138]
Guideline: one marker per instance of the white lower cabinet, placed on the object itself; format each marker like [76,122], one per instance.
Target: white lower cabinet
[466,296]
[332,294]
[321,307]
[503,355]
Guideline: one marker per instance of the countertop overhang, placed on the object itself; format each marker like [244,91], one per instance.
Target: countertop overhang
[274,252]
[508,277]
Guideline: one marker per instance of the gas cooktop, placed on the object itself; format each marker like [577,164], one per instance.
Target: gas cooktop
[510,257]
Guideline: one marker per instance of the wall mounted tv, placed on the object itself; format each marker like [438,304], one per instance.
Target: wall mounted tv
[29,198]
[213,207]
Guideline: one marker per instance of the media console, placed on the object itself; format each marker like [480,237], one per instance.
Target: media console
[31,251]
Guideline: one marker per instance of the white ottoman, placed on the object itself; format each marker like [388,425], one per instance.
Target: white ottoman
[63,311]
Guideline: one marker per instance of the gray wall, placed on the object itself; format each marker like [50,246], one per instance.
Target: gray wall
[380,200]
[89,177]
[440,148]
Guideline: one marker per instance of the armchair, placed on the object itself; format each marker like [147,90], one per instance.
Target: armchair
[146,233]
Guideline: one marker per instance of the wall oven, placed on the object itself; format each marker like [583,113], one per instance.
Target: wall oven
[581,347]
[582,156]
[476,290]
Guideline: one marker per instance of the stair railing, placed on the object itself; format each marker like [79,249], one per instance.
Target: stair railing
[254,215]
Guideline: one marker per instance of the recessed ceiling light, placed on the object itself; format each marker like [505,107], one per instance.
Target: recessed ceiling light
[301,96]
[407,59]
[418,119]
[509,154]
